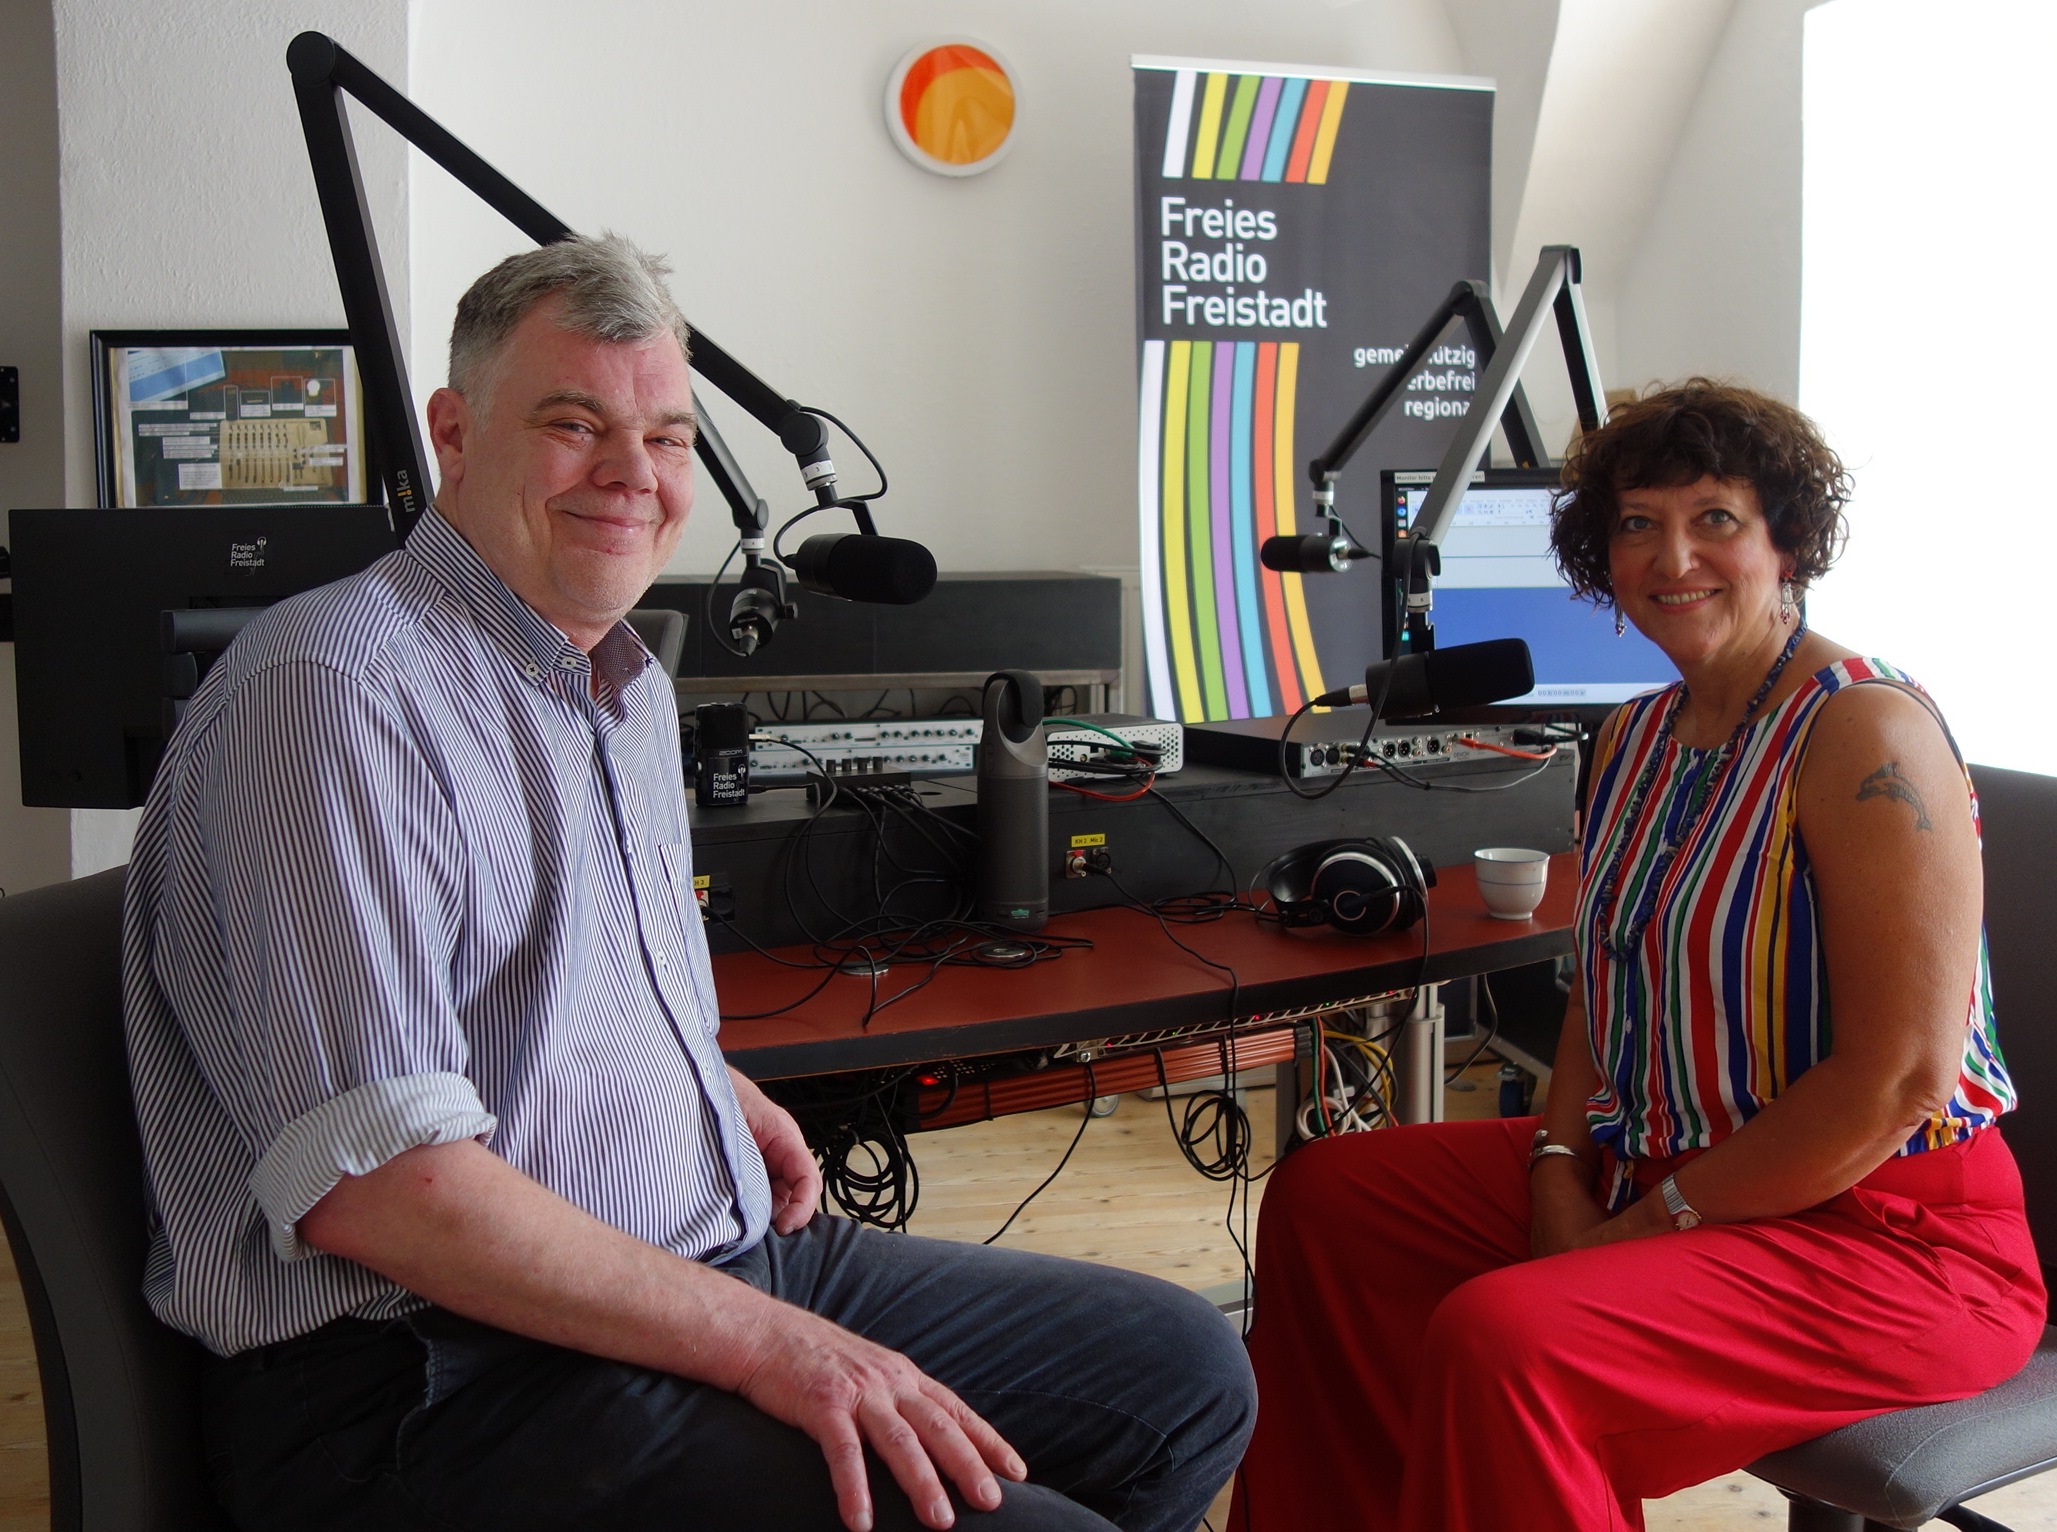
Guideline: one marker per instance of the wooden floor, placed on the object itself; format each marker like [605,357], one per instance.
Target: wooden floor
[24,1477]
[1126,1198]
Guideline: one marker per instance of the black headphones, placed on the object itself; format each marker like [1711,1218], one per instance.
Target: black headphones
[1363,886]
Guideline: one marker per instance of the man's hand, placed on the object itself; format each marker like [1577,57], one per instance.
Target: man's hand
[847,1393]
[466,1230]
[1562,1213]
[795,1178]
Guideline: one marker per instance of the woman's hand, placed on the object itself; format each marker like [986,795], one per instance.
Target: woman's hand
[1562,1213]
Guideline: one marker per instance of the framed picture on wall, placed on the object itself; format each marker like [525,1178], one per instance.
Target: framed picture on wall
[228,417]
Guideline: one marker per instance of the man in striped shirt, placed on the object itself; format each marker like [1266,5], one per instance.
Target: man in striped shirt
[445,1160]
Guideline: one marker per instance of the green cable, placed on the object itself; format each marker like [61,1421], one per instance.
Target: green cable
[1079,723]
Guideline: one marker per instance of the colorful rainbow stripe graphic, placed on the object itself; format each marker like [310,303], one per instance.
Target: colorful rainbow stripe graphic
[1225,637]
[1273,128]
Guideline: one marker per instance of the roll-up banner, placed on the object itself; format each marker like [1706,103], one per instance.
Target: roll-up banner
[1294,228]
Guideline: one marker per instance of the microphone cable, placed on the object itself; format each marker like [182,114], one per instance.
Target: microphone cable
[858,1141]
[1085,1119]
[1378,706]
[850,502]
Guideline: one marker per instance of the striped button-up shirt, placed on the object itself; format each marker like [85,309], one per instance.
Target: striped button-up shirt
[407,876]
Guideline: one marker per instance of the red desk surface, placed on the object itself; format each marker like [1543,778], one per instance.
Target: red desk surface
[1133,980]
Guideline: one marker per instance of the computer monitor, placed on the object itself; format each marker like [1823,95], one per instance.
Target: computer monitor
[90,591]
[1500,581]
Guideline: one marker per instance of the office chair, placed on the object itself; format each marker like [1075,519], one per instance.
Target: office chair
[1912,1466]
[121,1399]
[663,633]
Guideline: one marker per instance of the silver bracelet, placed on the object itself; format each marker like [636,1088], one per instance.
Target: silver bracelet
[1543,1150]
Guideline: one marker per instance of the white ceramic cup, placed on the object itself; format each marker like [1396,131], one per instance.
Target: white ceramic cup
[1511,880]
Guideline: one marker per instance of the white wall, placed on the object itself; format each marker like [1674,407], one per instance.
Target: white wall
[34,843]
[186,198]
[1509,42]
[1714,284]
[980,333]
[1928,138]
[1623,77]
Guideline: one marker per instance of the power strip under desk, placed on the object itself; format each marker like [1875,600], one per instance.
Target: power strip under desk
[946,1106]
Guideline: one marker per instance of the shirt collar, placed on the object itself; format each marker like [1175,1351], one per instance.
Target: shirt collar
[537,647]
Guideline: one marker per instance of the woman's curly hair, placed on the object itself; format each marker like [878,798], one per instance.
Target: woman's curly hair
[1680,435]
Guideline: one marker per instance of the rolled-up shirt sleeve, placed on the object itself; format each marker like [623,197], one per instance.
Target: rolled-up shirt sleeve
[337,873]
[354,1134]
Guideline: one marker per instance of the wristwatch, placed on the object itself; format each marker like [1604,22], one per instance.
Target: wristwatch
[1683,1217]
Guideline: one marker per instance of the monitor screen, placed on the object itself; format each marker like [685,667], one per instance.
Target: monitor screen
[1500,581]
[91,588]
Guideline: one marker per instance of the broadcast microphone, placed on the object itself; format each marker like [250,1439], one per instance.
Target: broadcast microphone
[887,570]
[1310,555]
[753,618]
[1463,675]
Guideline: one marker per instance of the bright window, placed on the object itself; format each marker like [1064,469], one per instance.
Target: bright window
[1927,349]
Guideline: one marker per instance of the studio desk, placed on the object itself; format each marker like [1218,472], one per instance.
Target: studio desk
[1132,983]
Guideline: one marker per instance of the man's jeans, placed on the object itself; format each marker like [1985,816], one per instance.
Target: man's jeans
[1129,1399]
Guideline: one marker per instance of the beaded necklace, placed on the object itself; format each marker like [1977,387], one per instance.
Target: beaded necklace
[1702,791]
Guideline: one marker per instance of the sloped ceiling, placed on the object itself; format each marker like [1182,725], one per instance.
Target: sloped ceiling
[1622,78]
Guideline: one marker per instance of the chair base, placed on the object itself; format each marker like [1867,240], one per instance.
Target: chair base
[1965,1519]
[1805,1515]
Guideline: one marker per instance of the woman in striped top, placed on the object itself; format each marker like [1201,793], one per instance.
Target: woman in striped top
[1748,1216]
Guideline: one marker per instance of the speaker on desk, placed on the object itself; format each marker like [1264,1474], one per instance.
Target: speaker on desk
[1014,804]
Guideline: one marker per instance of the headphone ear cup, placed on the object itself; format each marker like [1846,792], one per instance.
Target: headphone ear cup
[1416,876]
[1362,886]
[1364,891]
[1289,879]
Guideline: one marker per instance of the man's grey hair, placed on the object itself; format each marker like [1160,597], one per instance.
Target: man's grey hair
[612,291]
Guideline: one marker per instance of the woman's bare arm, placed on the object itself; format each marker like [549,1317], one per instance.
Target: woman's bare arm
[1561,1206]
[1886,822]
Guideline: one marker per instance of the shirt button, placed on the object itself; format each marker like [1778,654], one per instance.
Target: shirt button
[660,959]
[569,662]
[531,671]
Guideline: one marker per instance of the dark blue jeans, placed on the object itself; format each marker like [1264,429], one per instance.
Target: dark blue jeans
[1129,1399]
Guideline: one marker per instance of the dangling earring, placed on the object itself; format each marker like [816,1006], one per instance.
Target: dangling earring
[1620,623]
[1785,602]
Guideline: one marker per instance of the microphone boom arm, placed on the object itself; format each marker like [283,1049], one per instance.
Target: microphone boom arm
[1554,288]
[760,603]
[1472,302]
[323,72]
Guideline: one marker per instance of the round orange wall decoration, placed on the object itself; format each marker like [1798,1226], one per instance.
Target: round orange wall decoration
[952,107]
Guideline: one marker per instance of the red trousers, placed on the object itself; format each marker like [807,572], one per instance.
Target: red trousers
[1417,1370]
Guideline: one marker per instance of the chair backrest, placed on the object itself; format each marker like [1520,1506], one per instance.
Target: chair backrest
[663,632]
[120,1391]
[2019,810]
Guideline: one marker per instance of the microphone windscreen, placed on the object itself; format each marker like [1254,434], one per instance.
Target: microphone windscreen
[889,571]
[1308,555]
[1294,555]
[1467,675]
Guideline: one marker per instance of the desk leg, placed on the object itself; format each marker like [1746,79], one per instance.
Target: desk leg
[1419,1058]
[1286,1095]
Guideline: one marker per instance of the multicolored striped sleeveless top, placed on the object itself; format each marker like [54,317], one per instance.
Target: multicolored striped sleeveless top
[1725,1000]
